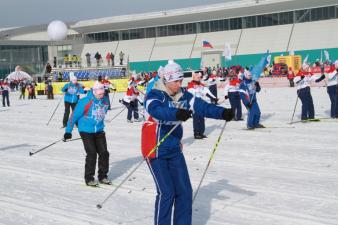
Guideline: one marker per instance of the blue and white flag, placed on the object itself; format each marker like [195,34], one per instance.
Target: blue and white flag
[257,70]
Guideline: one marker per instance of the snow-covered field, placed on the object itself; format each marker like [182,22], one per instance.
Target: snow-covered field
[285,175]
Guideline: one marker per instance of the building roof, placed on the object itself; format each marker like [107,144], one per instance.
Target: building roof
[235,8]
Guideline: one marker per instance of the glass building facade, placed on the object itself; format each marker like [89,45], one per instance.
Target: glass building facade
[31,58]
[289,17]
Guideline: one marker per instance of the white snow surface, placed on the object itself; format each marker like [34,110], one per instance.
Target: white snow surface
[274,176]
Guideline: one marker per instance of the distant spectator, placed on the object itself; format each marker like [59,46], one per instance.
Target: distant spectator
[54,62]
[60,76]
[22,85]
[5,93]
[121,57]
[97,57]
[88,59]
[112,58]
[49,88]
[108,58]
[48,68]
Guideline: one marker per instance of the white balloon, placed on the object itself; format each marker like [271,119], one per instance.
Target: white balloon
[57,30]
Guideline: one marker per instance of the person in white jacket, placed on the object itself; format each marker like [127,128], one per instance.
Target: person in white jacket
[302,80]
[199,90]
[332,88]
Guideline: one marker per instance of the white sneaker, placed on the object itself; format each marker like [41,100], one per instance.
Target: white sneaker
[129,121]
[138,120]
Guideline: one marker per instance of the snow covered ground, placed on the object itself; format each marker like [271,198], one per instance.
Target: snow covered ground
[286,175]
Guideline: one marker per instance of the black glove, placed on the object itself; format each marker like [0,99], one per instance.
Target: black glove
[249,105]
[226,97]
[85,91]
[228,114]
[302,77]
[67,136]
[257,84]
[183,114]
[66,89]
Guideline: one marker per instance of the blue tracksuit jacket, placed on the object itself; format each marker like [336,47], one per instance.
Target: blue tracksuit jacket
[248,89]
[89,113]
[72,91]
[168,167]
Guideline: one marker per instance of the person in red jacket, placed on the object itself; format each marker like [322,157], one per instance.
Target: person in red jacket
[290,77]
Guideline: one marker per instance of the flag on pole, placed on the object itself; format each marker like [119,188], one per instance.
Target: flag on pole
[227,52]
[327,56]
[206,44]
[305,60]
[257,70]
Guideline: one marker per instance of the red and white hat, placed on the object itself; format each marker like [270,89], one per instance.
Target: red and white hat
[172,72]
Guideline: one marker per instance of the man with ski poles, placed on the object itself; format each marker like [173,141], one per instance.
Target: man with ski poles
[72,90]
[89,114]
[168,104]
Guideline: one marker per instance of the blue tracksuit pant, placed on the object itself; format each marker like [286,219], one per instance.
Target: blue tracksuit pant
[213,90]
[332,91]
[198,124]
[254,115]
[235,102]
[308,110]
[173,189]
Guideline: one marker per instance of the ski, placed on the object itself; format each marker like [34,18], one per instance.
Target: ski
[305,121]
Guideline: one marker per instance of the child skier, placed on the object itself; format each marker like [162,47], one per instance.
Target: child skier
[248,89]
[198,89]
[89,114]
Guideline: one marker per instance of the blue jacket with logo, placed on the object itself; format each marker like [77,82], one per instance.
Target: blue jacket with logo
[89,113]
[247,91]
[72,91]
[162,108]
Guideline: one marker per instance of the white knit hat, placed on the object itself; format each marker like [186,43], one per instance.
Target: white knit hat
[172,72]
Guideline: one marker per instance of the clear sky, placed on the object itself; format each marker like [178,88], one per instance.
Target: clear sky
[15,13]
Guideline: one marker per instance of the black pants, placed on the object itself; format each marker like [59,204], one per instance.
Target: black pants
[95,144]
[67,111]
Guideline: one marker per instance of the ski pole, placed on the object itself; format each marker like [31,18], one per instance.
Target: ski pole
[41,149]
[99,206]
[108,121]
[112,98]
[54,111]
[211,157]
[294,110]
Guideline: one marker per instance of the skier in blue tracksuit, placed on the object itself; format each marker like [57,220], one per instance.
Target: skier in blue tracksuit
[89,113]
[248,89]
[72,91]
[167,105]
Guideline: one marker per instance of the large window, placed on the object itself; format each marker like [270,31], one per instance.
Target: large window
[298,16]
[175,30]
[323,13]
[204,26]
[285,18]
[267,20]
[114,36]
[162,31]
[150,32]
[137,33]
[235,23]
[249,22]
[302,16]
[190,28]
[217,25]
